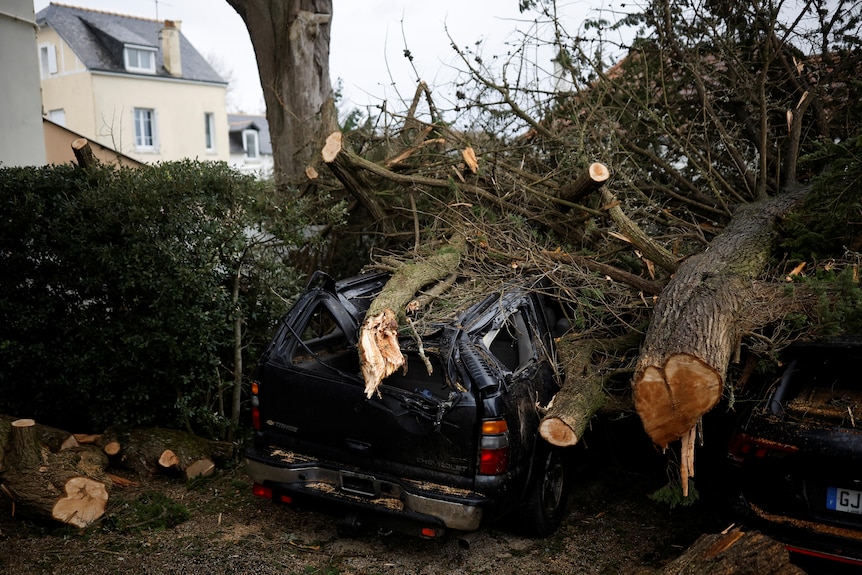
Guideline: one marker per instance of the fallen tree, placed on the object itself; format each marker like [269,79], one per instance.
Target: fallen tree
[699,321]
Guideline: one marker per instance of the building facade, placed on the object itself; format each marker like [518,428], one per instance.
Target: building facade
[132,84]
[22,143]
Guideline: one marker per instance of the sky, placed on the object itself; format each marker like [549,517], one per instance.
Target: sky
[367,42]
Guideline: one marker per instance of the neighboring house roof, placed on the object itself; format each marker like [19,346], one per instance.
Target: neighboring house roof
[237,123]
[58,147]
[97,38]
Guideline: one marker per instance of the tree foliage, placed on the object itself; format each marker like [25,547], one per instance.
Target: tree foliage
[121,289]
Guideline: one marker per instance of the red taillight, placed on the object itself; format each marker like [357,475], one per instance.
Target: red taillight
[255,406]
[743,446]
[261,491]
[493,461]
[428,533]
[494,447]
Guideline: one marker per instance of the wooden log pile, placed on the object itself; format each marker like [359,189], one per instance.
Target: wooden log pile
[51,474]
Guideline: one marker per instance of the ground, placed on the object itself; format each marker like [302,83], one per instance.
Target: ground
[216,526]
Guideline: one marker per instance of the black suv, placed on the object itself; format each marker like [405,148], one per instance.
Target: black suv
[450,443]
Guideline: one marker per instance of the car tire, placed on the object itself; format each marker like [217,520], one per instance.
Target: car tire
[545,501]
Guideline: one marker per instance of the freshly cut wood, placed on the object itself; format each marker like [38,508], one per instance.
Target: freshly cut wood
[200,468]
[112,448]
[379,352]
[674,397]
[83,502]
[582,395]
[699,319]
[339,158]
[51,437]
[733,552]
[589,180]
[168,459]
[84,153]
[69,486]
[23,450]
[88,438]
[157,450]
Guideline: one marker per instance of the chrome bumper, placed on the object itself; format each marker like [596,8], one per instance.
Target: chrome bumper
[457,508]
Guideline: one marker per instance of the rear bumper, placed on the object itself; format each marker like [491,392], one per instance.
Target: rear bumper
[808,538]
[386,501]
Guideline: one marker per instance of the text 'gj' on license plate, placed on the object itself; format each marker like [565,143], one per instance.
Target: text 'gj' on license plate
[847,500]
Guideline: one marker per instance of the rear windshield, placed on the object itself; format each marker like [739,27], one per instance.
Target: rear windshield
[824,386]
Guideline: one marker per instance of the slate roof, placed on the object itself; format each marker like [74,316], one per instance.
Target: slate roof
[239,122]
[97,38]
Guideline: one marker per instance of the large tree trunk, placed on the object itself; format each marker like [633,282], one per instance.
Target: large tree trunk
[698,321]
[291,43]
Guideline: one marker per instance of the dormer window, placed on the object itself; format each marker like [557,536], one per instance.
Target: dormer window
[250,144]
[140,59]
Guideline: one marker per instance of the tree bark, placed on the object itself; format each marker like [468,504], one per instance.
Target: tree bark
[84,153]
[583,393]
[590,180]
[379,352]
[698,321]
[69,486]
[337,156]
[156,450]
[291,44]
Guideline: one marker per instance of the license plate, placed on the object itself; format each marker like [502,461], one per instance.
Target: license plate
[846,500]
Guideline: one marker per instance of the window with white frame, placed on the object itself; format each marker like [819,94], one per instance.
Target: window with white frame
[209,131]
[48,59]
[250,144]
[140,59]
[145,129]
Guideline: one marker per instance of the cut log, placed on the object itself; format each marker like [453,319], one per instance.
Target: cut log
[582,395]
[158,450]
[733,552]
[698,320]
[379,351]
[112,448]
[69,486]
[51,437]
[589,180]
[84,153]
[338,157]
[23,450]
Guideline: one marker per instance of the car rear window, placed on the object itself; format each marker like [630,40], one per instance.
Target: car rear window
[825,386]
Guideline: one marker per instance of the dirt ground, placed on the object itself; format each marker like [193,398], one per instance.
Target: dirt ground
[215,525]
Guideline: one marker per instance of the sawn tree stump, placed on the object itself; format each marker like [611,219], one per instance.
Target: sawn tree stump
[69,486]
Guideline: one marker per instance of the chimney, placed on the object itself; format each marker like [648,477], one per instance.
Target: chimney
[170,37]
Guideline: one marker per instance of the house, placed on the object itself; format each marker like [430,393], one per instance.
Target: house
[132,84]
[250,145]
[22,143]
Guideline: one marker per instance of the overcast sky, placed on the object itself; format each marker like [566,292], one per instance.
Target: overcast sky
[367,44]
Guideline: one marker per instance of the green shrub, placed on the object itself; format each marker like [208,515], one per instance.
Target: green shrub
[120,287]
